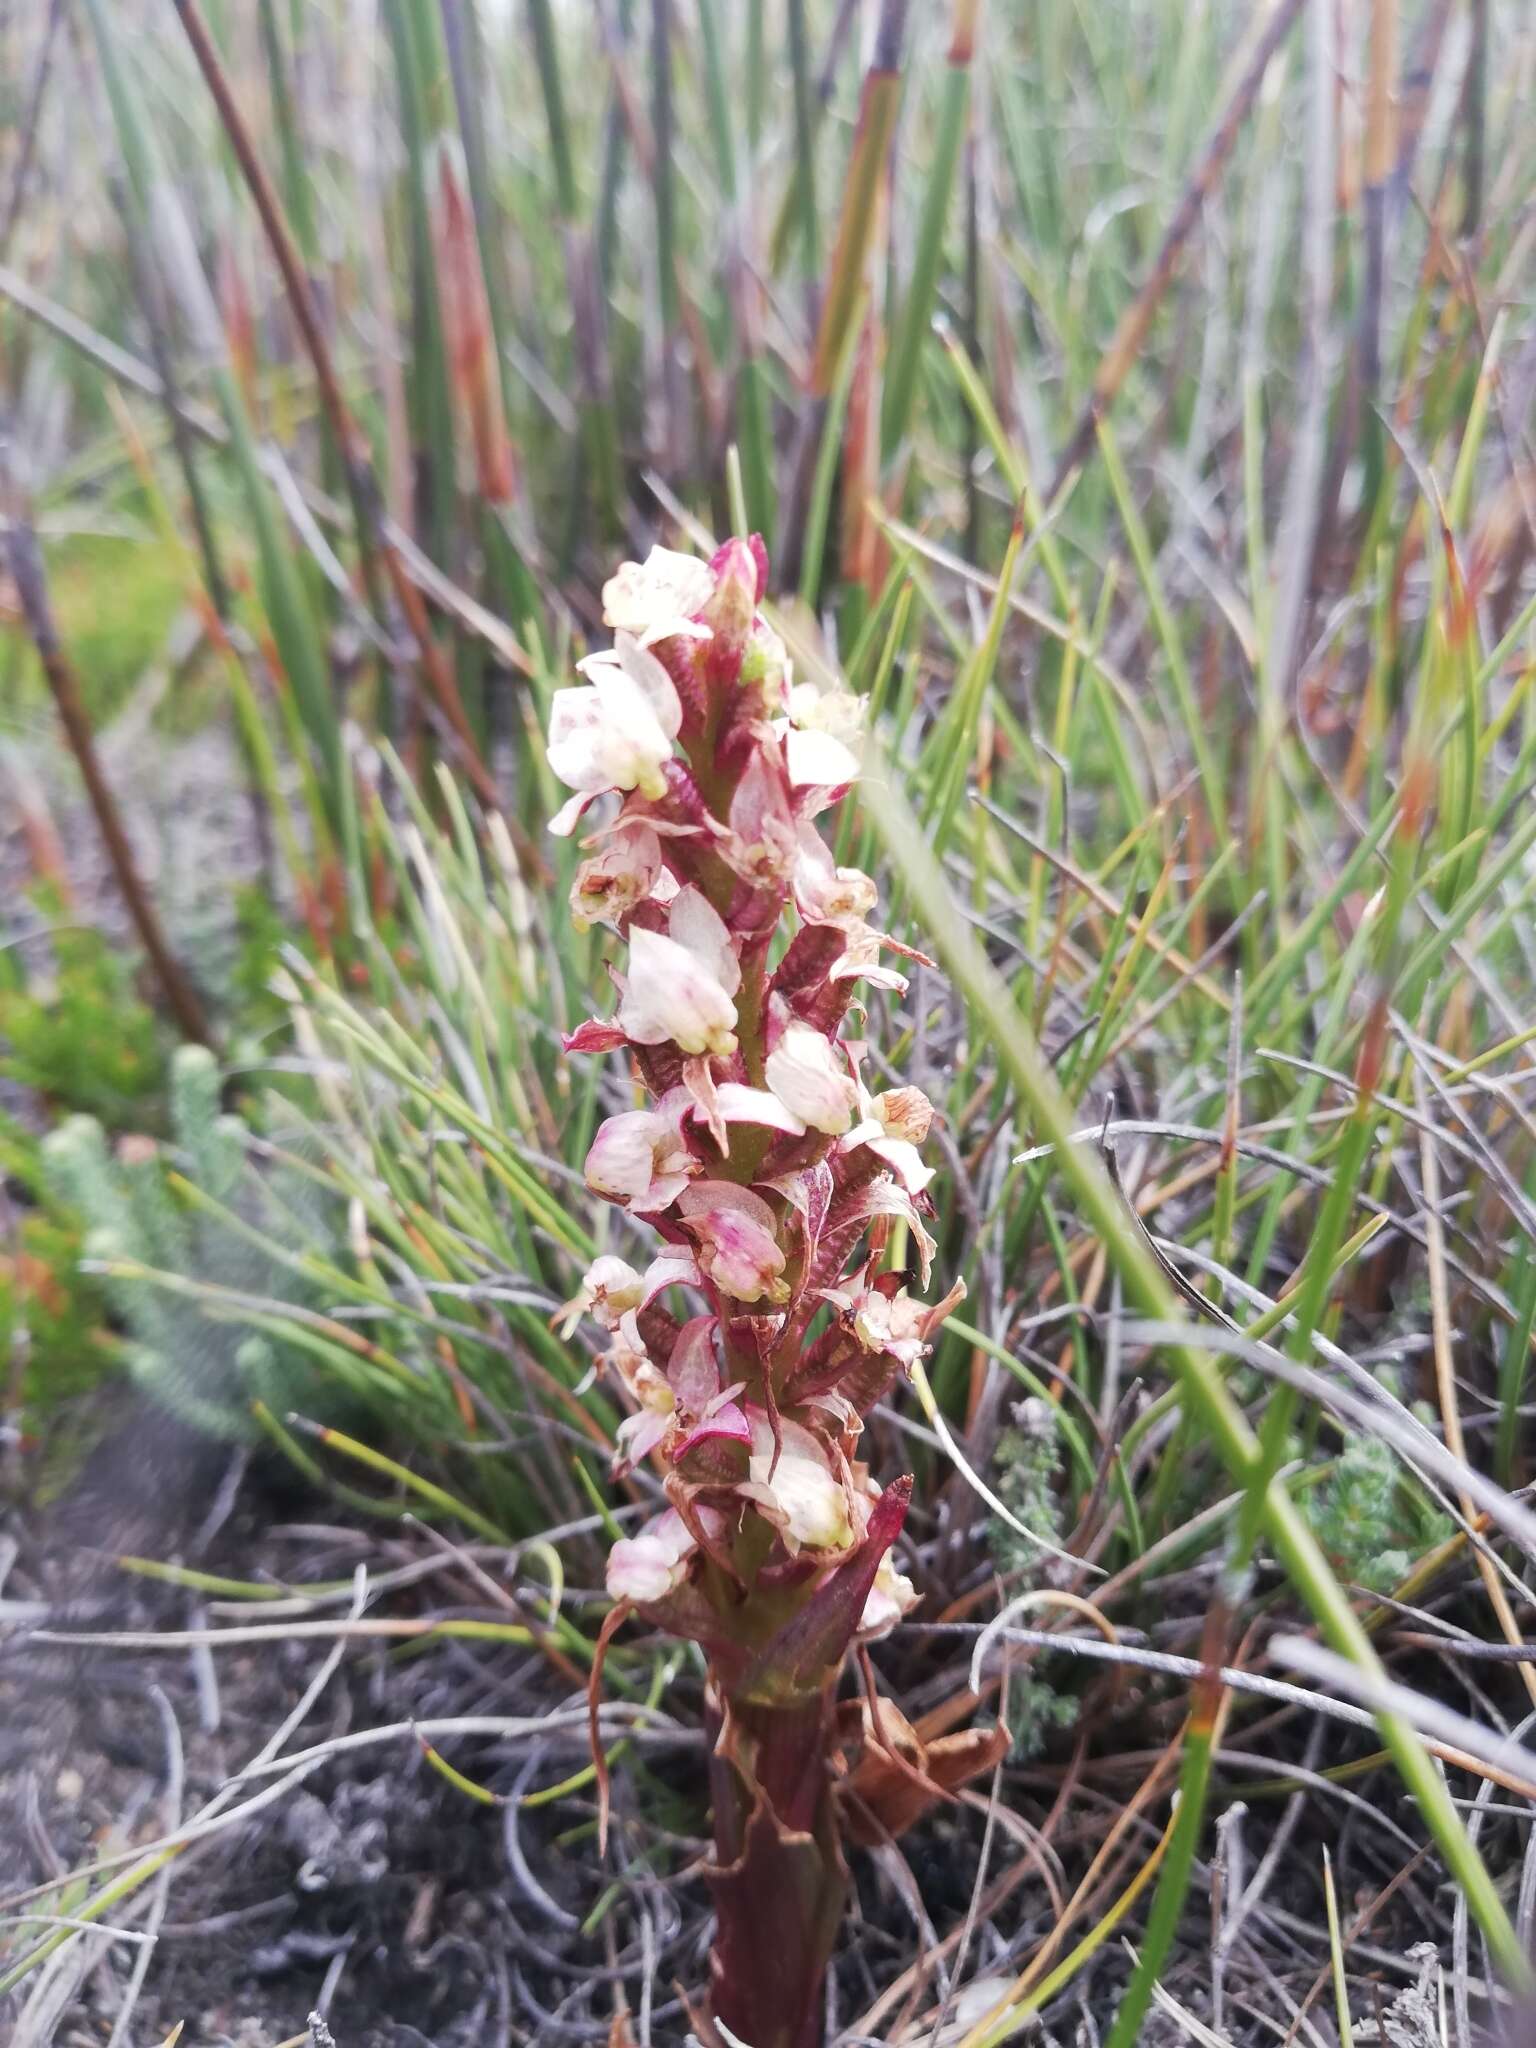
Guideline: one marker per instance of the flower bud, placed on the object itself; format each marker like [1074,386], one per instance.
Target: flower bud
[730,609]
[652,1564]
[757,557]
[738,1249]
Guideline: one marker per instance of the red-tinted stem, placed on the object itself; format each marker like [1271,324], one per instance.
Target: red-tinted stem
[780,1881]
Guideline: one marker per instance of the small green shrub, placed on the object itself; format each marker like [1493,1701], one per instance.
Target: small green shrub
[1028,1465]
[78,1034]
[1373,1522]
[1028,1462]
[53,1345]
[201,1293]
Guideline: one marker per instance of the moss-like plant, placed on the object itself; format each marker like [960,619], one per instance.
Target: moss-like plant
[1373,1522]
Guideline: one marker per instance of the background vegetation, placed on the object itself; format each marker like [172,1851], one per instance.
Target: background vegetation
[1137,403]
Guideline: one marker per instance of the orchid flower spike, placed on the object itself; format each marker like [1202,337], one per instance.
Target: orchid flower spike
[767,1327]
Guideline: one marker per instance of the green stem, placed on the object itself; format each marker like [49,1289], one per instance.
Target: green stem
[1205,1397]
[1178,1867]
[912,327]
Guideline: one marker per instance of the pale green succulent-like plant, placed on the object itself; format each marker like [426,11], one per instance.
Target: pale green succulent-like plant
[167,1228]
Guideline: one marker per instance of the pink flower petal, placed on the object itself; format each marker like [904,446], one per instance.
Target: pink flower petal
[670,994]
[725,1423]
[695,923]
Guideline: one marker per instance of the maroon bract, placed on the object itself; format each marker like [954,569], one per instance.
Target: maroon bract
[773,1178]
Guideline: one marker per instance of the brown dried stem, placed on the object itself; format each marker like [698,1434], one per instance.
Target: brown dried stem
[27,572]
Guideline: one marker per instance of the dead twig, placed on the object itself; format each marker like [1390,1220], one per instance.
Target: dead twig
[30,578]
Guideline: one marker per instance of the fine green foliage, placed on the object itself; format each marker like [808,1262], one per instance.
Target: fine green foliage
[1027,1479]
[1373,1523]
[1028,1468]
[76,1031]
[181,1265]
[449,1123]
[53,1330]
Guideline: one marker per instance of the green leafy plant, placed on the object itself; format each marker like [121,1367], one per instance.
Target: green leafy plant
[200,1295]
[54,1344]
[1027,1467]
[1372,1520]
[78,1033]
[440,1114]
[1026,1479]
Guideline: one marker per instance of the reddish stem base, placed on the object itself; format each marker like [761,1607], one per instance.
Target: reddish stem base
[780,1881]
